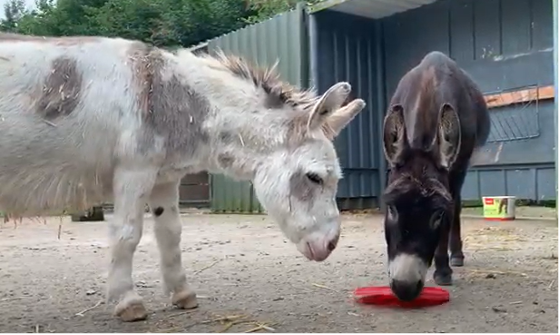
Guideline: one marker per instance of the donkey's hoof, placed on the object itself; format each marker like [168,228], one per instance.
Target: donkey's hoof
[185,299]
[443,279]
[132,312]
[457,261]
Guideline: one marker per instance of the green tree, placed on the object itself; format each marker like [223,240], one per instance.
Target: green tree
[160,22]
[13,11]
[265,9]
[168,22]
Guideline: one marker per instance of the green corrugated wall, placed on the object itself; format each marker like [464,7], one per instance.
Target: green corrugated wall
[282,37]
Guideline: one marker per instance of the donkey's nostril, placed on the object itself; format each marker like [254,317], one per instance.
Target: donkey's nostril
[332,243]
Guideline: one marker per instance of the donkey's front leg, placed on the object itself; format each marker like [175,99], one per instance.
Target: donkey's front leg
[164,202]
[130,192]
[443,273]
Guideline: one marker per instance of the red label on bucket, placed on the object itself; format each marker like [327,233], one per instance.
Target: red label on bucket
[489,201]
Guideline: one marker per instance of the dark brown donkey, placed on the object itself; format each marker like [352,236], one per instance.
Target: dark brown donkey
[437,117]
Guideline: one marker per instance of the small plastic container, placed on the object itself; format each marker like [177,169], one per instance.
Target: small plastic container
[499,208]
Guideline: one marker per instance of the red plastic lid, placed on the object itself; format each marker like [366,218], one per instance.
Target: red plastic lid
[383,296]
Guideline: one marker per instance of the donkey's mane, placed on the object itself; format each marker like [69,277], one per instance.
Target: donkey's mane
[268,79]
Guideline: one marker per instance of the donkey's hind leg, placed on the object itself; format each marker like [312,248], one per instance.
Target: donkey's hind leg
[443,274]
[164,202]
[455,243]
[457,258]
[130,187]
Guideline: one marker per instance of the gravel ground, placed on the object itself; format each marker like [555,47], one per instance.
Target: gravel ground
[244,270]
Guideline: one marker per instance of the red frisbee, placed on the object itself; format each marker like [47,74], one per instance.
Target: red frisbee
[382,295]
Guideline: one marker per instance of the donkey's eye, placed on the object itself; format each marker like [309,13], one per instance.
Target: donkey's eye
[436,218]
[314,178]
[392,212]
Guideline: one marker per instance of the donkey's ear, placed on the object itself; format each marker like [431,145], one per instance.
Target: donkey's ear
[342,117]
[394,135]
[449,135]
[331,101]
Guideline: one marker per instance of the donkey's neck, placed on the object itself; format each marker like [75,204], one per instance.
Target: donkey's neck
[241,130]
[241,143]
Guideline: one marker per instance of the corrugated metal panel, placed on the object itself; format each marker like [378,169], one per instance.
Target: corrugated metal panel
[503,45]
[373,9]
[348,53]
[525,182]
[230,196]
[279,38]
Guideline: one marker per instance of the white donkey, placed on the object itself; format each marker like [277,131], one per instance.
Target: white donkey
[85,120]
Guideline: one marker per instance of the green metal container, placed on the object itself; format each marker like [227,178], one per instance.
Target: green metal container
[230,196]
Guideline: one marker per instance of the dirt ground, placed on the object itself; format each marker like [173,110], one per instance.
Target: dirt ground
[242,268]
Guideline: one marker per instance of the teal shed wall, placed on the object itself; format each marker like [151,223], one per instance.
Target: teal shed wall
[504,45]
[280,38]
[373,54]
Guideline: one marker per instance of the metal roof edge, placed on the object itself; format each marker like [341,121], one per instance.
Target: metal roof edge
[324,5]
[372,9]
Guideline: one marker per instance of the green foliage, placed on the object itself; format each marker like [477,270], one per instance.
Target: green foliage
[13,11]
[161,22]
[167,22]
[265,9]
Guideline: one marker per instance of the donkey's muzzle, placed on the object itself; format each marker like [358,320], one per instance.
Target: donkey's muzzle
[405,290]
[318,247]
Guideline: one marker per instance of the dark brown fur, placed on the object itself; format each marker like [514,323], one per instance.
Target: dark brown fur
[174,109]
[141,66]
[438,116]
[61,90]
[170,107]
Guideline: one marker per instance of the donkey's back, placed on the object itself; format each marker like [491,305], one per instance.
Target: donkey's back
[66,108]
[435,81]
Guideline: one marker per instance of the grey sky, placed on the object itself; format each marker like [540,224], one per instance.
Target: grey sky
[29,4]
